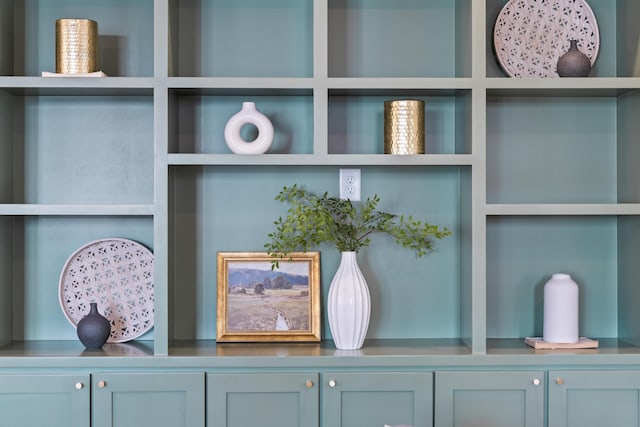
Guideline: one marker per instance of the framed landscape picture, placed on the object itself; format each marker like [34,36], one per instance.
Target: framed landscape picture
[258,303]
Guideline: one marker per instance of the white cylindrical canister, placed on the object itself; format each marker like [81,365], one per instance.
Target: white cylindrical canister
[560,322]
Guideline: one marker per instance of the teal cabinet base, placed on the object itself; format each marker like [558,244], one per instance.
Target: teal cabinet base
[349,397]
[489,398]
[45,400]
[594,398]
[357,399]
[266,400]
[148,399]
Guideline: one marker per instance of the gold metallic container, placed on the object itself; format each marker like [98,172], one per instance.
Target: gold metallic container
[76,46]
[404,127]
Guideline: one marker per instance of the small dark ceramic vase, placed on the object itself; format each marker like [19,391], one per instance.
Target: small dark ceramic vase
[574,63]
[93,329]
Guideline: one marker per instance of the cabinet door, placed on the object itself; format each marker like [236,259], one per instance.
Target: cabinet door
[148,399]
[265,400]
[360,399]
[594,398]
[45,400]
[489,399]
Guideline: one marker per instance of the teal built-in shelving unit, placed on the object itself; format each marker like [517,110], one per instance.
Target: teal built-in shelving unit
[533,176]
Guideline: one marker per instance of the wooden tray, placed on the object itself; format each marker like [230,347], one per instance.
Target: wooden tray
[539,344]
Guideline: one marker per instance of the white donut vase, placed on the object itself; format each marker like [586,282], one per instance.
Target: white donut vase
[248,115]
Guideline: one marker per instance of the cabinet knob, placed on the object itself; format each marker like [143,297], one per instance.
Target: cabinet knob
[332,383]
[79,385]
[536,381]
[309,383]
[559,381]
[102,383]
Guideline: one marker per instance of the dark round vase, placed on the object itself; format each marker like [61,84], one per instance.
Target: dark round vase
[93,329]
[574,63]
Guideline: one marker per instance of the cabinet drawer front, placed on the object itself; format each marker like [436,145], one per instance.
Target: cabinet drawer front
[491,398]
[594,398]
[377,398]
[283,400]
[60,400]
[150,399]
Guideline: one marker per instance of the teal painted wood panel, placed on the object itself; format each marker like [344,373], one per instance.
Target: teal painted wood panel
[405,38]
[149,399]
[628,110]
[627,36]
[628,192]
[551,150]
[265,400]
[243,38]
[628,273]
[489,399]
[377,398]
[594,398]
[6,279]
[45,400]
[83,149]
[6,145]
[6,37]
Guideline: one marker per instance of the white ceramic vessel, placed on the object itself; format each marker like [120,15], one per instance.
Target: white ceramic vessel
[561,300]
[349,304]
[249,115]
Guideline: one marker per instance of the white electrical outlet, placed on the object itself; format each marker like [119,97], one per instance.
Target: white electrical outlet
[350,184]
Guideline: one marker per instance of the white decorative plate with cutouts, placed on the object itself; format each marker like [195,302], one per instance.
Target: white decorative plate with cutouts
[530,35]
[118,275]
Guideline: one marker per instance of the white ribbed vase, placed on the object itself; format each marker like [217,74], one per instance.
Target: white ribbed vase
[348,304]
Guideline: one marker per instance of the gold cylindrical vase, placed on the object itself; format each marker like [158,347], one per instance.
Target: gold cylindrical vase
[404,127]
[76,46]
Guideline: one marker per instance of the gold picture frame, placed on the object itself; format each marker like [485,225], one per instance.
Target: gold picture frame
[256,303]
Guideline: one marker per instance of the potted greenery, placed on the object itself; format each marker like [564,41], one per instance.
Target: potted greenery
[315,219]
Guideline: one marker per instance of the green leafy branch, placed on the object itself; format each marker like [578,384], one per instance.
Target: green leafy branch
[316,219]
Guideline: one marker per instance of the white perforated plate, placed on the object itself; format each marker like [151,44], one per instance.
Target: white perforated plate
[118,275]
[530,35]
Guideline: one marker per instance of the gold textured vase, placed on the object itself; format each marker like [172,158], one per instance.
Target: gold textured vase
[404,127]
[76,46]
